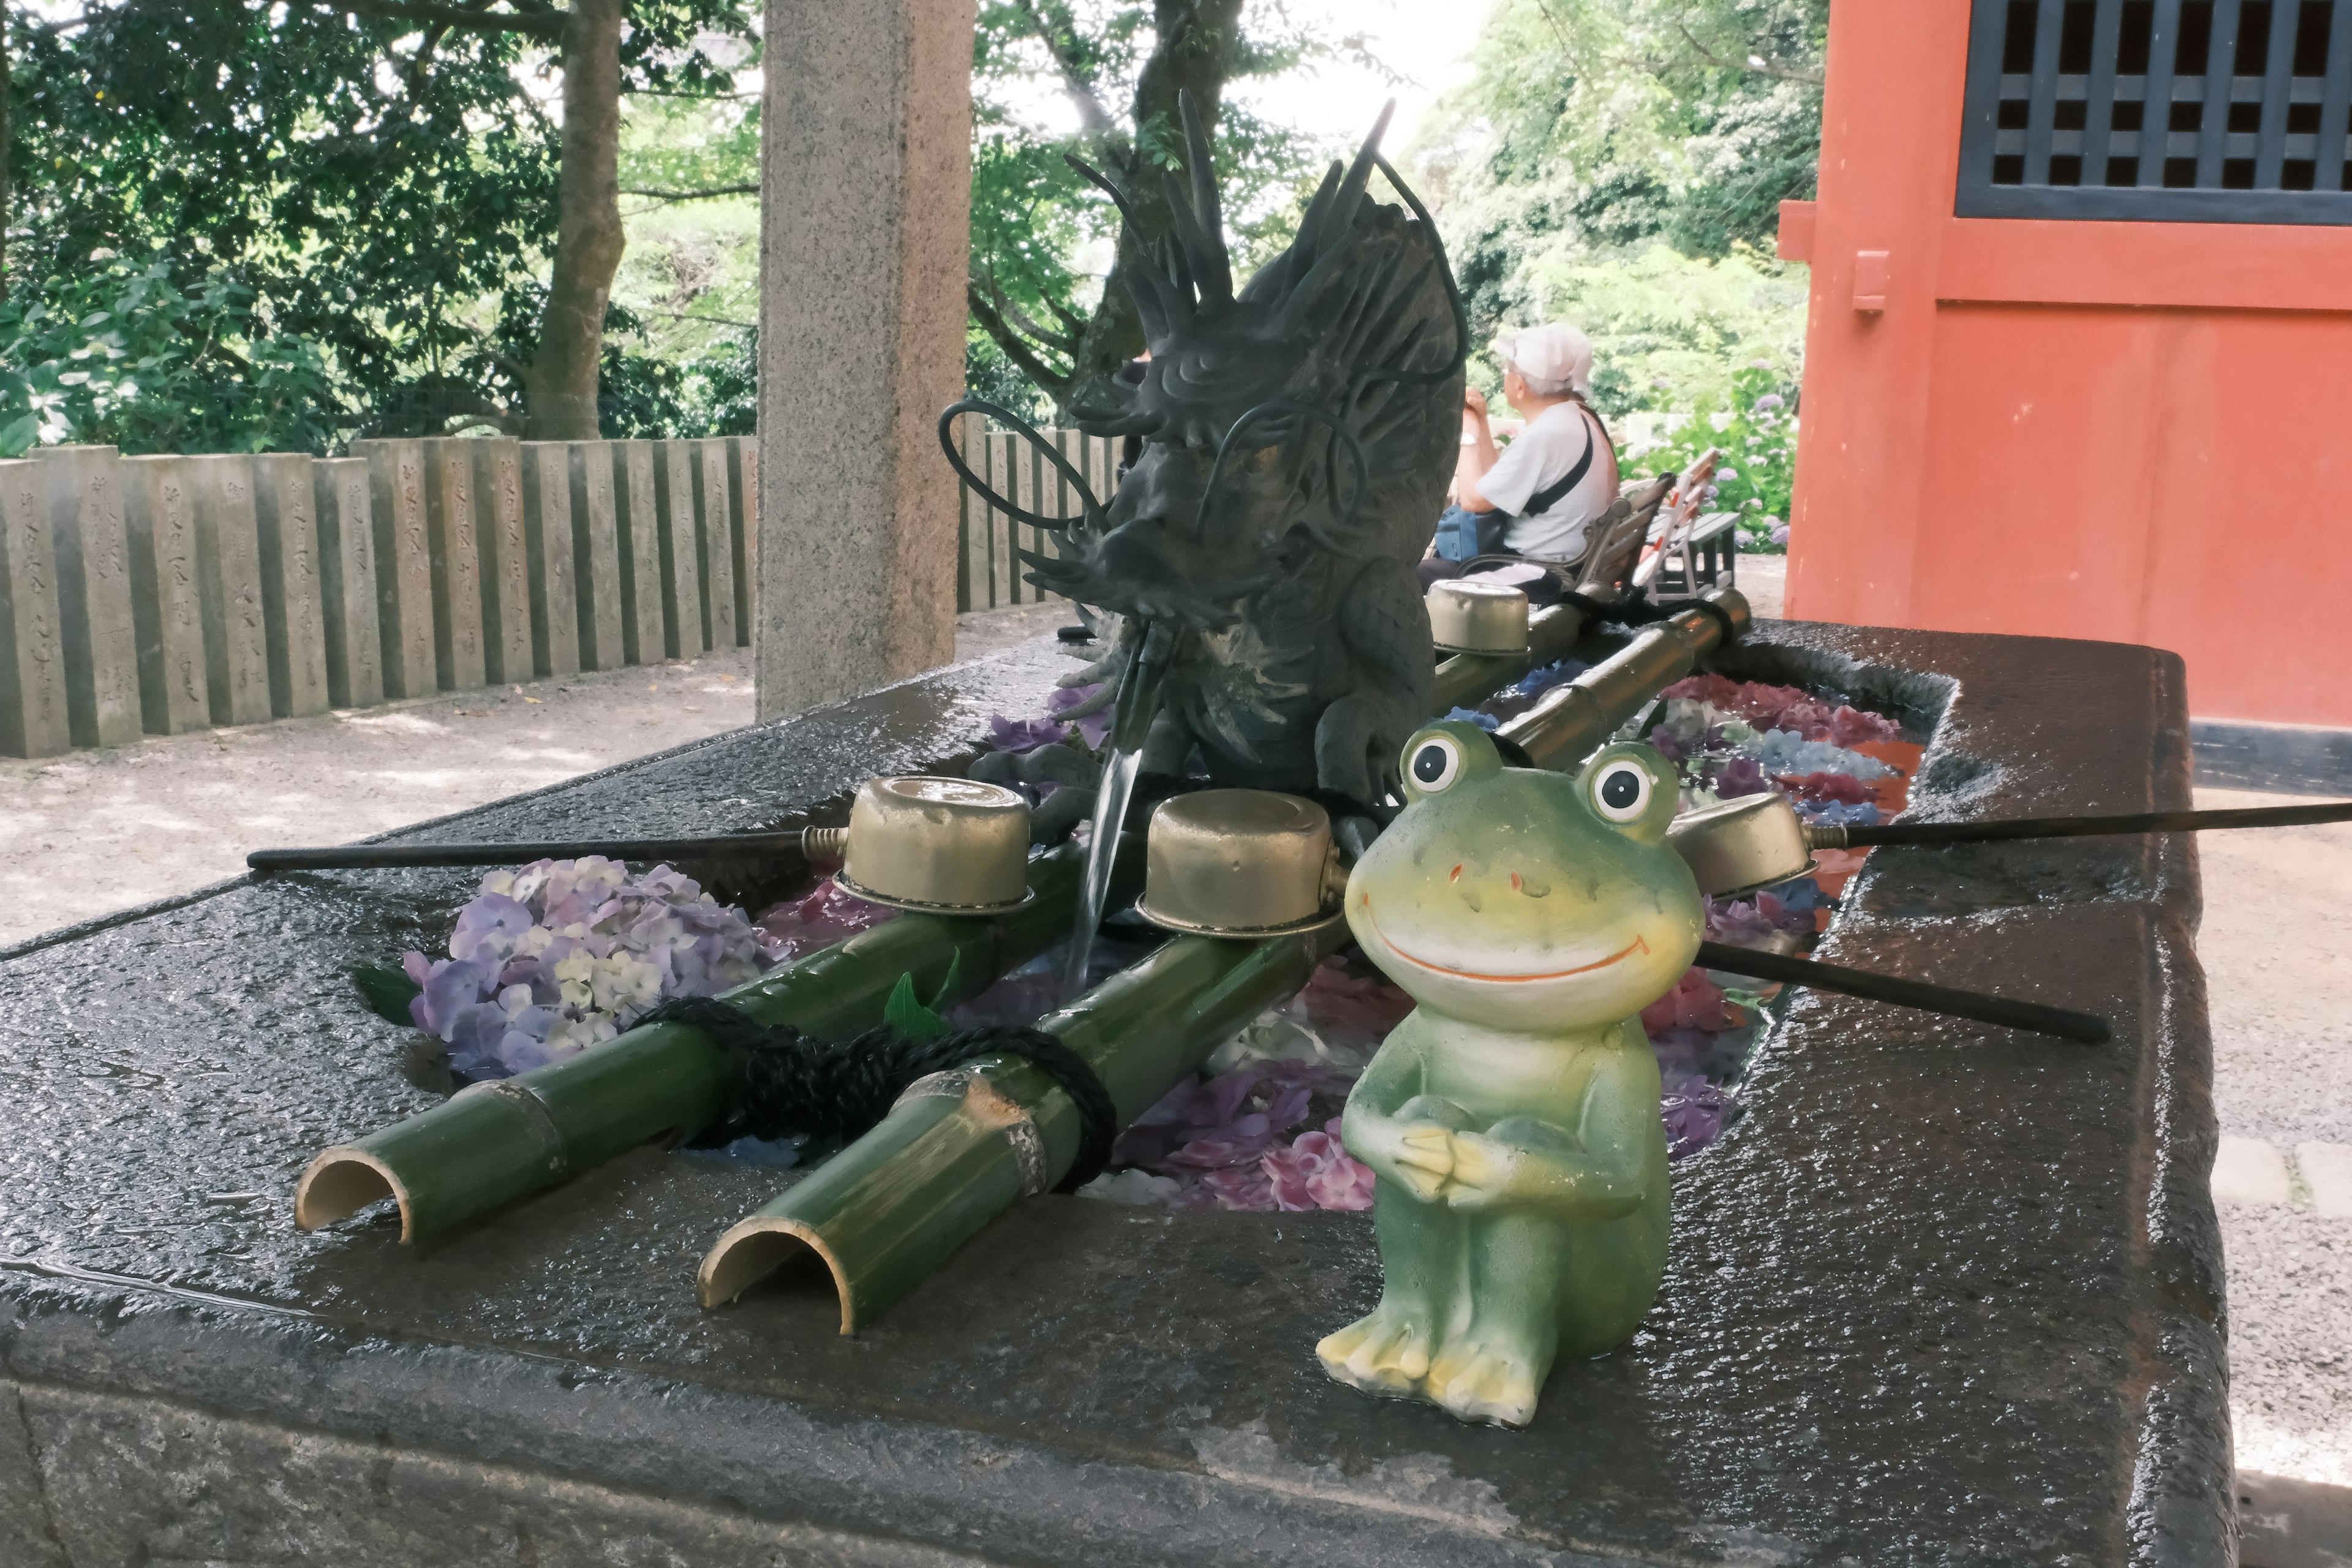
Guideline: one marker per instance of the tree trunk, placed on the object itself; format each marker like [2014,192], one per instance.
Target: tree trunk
[560,391]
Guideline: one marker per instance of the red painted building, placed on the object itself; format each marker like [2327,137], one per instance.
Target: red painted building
[2080,355]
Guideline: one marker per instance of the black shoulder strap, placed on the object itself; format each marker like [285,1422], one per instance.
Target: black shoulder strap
[1550,496]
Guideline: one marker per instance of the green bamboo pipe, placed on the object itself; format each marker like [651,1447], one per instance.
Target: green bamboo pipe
[507,1138]
[1569,722]
[888,1211]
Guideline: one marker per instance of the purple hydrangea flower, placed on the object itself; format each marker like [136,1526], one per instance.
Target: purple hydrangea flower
[560,955]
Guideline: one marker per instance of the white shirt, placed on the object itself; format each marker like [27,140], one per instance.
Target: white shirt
[1551,445]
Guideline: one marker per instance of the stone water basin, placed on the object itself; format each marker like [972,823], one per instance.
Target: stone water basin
[1943,1294]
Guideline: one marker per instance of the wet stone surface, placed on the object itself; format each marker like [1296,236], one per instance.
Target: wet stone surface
[1943,1294]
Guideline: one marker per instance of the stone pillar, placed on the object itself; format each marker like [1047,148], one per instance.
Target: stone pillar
[866,208]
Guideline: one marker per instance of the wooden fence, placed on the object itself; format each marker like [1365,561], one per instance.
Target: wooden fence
[156,596]
[988,575]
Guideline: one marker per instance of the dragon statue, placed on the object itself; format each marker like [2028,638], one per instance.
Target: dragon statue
[1254,571]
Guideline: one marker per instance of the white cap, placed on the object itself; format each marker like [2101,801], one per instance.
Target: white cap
[1553,354]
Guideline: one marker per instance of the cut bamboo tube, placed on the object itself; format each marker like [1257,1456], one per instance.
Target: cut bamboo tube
[885,1213]
[504,1140]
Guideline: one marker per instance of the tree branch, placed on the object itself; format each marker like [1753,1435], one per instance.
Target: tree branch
[1755,63]
[1093,117]
[1015,349]
[707,194]
[546,25]
[1061,342]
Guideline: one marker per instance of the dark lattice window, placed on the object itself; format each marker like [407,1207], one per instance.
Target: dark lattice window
[2167,110]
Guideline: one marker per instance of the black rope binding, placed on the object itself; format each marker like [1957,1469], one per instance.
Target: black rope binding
[838,1090]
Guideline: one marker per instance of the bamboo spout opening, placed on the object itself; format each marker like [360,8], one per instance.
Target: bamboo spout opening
[756,1249]
[342,1182]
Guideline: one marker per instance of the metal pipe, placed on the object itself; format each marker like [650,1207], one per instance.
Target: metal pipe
[506,1139]
[1569,722]
[960,1148]
[1859,837]
[2084,1028]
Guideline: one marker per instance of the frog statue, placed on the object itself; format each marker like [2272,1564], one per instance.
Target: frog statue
[1512,1119]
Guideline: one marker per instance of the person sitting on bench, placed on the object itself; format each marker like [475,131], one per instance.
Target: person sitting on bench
[1538,497]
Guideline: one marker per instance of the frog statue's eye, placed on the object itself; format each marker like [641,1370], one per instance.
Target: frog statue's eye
[1436,763]
[1620,791]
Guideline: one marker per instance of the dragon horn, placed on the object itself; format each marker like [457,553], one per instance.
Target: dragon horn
[1341,210]
[1053,566]
[1215,264]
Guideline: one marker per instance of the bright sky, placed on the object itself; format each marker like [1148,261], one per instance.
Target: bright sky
[1423,40]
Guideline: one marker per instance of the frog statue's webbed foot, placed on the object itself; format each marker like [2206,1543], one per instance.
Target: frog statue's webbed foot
[1385,1352]
[1488,1377]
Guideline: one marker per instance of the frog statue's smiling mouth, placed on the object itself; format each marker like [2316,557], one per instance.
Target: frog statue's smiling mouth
[1639,944]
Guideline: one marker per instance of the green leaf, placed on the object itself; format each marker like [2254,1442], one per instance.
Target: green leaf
[946,997]
[387,990]
[908,1016]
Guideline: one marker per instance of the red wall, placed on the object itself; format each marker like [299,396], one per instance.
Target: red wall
[2141,432]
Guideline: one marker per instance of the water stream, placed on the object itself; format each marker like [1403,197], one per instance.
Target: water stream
[1120,768]
[1138,704]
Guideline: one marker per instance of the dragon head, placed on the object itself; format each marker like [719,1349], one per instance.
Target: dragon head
[1300,413]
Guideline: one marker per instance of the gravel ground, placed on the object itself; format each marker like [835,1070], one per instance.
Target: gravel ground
[96,831]
[91,832]
[2281,988]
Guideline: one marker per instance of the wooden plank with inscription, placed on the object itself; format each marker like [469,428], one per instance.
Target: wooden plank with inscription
[637,512]
[100,638]
[398,514]
[743,522]
[502,537]
[158,526]
[347,590]
[598,609]
[33,721]
[228,578]
[550,567]
[713,483]
[286,506]
[684,627]
[452,533]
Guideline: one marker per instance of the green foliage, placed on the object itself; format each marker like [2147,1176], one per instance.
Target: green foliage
[1594,126]
[122,353]
[1754,420]
[1670,331]
[385,192]
[1041,235]
[721,391]
[387,990]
